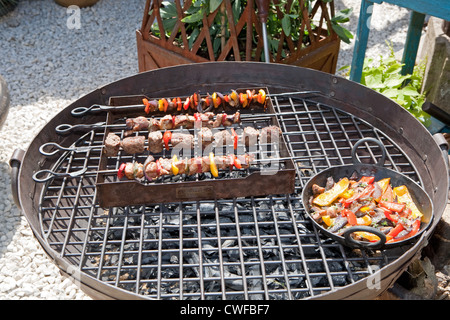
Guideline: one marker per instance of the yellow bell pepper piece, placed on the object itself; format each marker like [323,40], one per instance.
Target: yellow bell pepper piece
[326,220]
[383,183]
[212,165]
[403,196]
[348,194]
[160,105]
[365,209]
[327,197]
[364,220]
[367,235]
[174,167]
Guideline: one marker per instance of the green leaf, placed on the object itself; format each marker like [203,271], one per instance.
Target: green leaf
[216,46]
[390,93]
[409,91]
[286,24]
[394,80]
[374,79]
[168,10]
[343,33]
[236,8]
[214,4]
[343,15]
[195,17]
[193,37]
[169,24]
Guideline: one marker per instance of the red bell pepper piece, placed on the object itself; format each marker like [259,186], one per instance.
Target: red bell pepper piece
[147,105]
[195,99]
[367,179]
[388,194]
[158,168]
[249,96]
[165,104]
[224,118]
[235,138]
[179,104]
[390,215]
[121,171]
[243,99]
[351,217]
[414,230]
[186,104]
[237,163]
[393,206]
[395,231]
[167,137]
[366,192]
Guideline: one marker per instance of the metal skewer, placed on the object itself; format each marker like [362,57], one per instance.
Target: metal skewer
[96,108]
[84,172]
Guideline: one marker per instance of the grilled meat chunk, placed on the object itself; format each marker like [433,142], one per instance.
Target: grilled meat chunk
[153,125]
[155,142]
[317,189]
[154,170]
[222,119]
[206,118]
[134,170]
[137,124]
[132,145]
[183,120]
[112,145]
[250,136]
[166,122]
[224,162]
[245,160]
[181,165]
[270,134]
[205,136]
[223,138]
[166,165]
[184,140]
[198,165]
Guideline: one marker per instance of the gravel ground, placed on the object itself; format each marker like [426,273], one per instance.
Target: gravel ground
[47,66]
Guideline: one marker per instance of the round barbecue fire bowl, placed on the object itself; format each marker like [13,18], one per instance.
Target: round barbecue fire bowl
[241,248]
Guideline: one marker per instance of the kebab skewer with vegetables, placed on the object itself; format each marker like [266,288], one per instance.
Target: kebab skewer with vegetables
[153,169]
[206,103]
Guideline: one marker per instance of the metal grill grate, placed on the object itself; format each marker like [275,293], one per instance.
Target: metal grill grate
[244,248]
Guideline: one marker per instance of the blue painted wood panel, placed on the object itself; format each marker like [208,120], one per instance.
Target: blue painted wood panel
[437,8]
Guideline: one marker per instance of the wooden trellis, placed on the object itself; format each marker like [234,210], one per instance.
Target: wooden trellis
[159,51]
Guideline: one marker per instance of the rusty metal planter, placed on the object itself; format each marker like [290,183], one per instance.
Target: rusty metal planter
[154,52]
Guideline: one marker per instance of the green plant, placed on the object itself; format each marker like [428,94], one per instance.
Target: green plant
[385,78]
[290,22]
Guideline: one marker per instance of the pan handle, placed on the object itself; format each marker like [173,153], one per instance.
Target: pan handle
[380,162]
[361,244]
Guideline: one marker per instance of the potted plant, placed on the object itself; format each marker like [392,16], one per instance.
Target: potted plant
[305,32]
[79,3]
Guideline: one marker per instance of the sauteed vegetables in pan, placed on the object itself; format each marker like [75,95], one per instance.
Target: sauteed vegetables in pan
[356,201]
